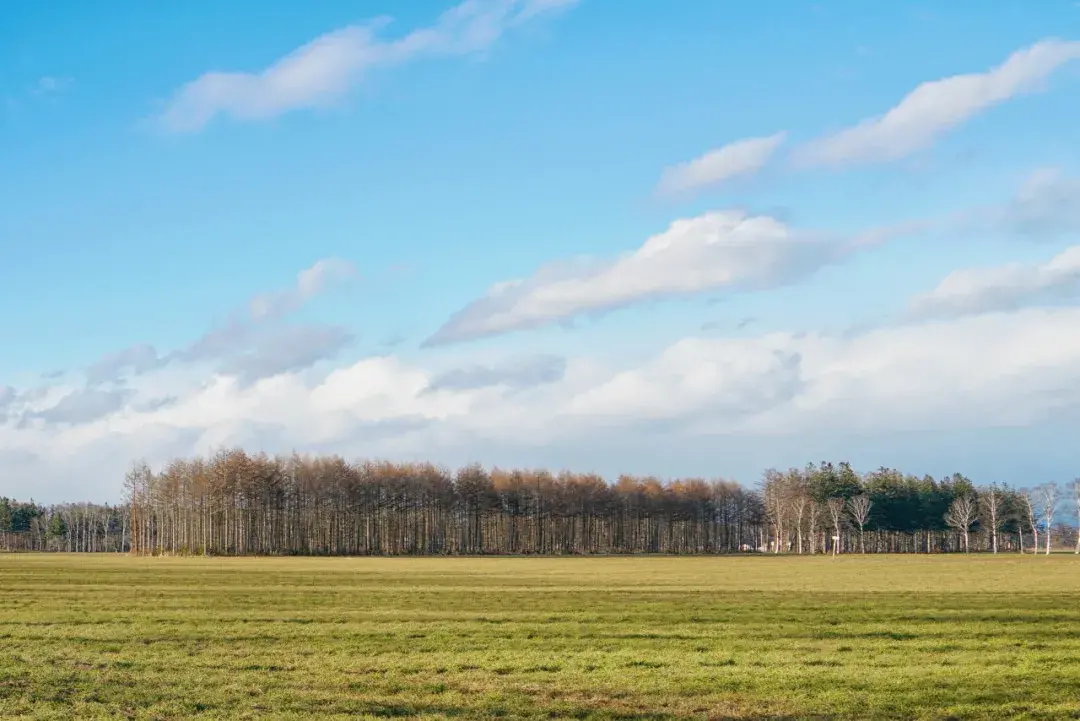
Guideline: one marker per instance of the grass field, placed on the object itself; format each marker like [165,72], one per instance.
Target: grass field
[98,636]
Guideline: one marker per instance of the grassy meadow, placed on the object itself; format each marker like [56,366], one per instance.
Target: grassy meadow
[105,636]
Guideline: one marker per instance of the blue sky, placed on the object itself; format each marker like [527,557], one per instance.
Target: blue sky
[377,170]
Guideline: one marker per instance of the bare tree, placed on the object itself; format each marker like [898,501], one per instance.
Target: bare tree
[235,503]
[776,502]
[860,511]
[1032,514]
[961,514]
[813,511]
[798,493]
[1075,486]
[836,511]
[991,500]
[1049,497]
[799,502]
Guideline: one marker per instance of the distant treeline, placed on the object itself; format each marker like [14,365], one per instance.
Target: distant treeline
[75,527]
[236,503]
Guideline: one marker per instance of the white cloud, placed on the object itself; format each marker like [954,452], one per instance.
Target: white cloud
[291,348]
[715,251]
[740,402]
[519,372]
[322,275]
[85,405]
[981,290]
[253,343]
[138,358]
[1047,206]
[934,108]
[743,157]
[726,379]
[319,73]
[1003,369]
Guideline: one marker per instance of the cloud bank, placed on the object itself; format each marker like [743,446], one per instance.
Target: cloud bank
[954,375]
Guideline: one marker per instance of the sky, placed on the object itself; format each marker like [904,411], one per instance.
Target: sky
[679,239]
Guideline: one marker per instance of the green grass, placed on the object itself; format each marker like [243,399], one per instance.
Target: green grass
[856,637]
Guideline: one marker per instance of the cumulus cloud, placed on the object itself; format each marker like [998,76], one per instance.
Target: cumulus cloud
[252,342]
[85,405]
[716,251]
[292,348]
[138,359]
[1047,206]
[216,343]
[8,396]
[743,157]
[982,290]
[723,380]
[153,404]
[935,107]
[738,403]
[321,276]
[516,373]
[320,72]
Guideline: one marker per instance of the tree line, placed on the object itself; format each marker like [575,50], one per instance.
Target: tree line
[71,527]
[835,509]
[235,503]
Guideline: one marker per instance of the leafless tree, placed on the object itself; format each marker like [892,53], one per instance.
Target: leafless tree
[1049,497]
[238,504]
[836,511]
[799,503]
[813,512]
[776,505]
[798,499]
[860,511]
[1032,514]
[1075,486]
[991,500]
[235,503]
[784,495]
[961,514]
